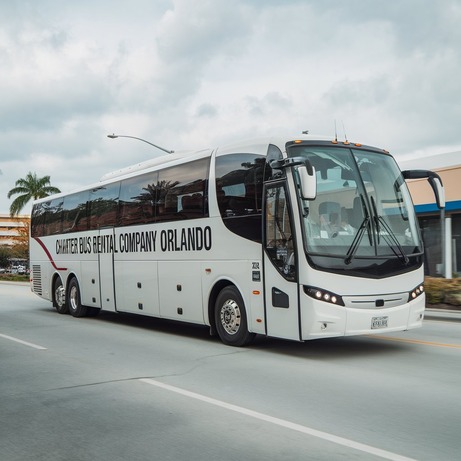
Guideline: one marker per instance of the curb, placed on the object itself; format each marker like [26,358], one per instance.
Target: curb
[443,314]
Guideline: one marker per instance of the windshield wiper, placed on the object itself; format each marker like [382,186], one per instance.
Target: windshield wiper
[357,239]
[390,237]
[376,218]
[392,241]
[359,235]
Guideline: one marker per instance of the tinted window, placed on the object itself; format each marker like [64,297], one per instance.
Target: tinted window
[103,206]
[175,193]
[239,185]
[182,191]
[54,217]
[138,197]
[37,227]
[75,217]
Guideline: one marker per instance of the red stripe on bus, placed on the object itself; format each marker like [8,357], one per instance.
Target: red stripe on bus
[45,249]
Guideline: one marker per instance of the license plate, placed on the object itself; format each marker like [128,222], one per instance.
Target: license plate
[379,322]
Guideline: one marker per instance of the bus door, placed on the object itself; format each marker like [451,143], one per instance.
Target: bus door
[281,294]
[106,267]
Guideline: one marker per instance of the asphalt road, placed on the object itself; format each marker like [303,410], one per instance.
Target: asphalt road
[120,387]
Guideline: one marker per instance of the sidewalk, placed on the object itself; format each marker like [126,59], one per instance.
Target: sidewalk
[443,314]
[10,282]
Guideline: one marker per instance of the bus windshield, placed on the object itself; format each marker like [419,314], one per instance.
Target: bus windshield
[363,214]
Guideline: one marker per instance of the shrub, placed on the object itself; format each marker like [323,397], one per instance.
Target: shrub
[13,278]
[443,291]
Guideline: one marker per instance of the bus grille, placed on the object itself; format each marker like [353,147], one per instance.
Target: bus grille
[37,279]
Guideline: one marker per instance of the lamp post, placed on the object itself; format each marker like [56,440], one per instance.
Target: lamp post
[113,136]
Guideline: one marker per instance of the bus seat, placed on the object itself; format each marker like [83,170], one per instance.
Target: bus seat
[327,209]
[330,213]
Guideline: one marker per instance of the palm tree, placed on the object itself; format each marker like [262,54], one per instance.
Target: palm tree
[30,188]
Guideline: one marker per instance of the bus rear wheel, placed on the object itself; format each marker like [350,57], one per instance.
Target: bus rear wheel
[74,302]
[59,297]
[230,318]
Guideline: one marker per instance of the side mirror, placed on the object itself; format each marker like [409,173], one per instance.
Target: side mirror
[307,182]
[434,180]
[439,191]
[306,174]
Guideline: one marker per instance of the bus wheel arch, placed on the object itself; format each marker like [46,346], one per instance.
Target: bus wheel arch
[229,315]
[74,300]
[59,298]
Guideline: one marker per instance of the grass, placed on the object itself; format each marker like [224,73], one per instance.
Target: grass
[14,278]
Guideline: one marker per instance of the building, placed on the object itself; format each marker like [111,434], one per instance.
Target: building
[10,229]
[441,231]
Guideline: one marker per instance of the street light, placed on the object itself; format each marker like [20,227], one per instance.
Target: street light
[113,136]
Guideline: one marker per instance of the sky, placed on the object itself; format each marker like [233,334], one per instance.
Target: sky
[193,74]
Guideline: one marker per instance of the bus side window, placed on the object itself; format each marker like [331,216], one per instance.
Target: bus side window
[103,206]
[239,183]
[182,192]
[38,219]
[54,217]
[74,211]
[137,200]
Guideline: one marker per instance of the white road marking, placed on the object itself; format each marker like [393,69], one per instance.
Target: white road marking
[283,423]
[25,343]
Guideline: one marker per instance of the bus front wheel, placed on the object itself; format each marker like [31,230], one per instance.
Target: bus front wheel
[59,297]
[73,299]
[230,318]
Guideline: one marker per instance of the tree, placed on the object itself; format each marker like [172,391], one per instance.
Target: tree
[5,255]
[20,247]
[30,188]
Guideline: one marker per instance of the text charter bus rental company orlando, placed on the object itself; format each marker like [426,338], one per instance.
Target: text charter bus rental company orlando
[296,238]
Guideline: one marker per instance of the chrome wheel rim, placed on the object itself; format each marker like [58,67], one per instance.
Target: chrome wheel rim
[230,317]
[60,295]
[73,295]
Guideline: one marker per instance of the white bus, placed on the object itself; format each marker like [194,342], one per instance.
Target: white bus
[297,238]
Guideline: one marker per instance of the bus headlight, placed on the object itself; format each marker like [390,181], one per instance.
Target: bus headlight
[418,291]
[323,295]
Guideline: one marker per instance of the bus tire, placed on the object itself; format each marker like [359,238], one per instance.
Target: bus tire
[230,318]
[74,301]
[59,296]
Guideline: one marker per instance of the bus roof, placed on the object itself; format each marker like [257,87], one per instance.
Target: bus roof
[153,162]
[255,146]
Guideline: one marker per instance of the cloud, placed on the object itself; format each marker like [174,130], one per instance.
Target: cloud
[207,110]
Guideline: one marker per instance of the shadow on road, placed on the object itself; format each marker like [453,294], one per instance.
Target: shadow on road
[322,349]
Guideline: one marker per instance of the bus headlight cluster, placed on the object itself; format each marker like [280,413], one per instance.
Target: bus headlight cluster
[323,295]
[418,291]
